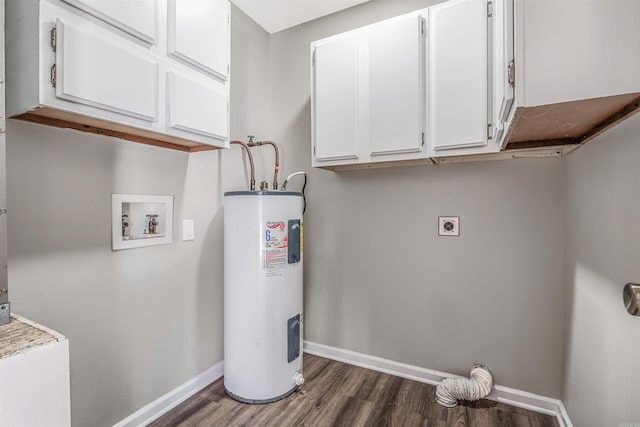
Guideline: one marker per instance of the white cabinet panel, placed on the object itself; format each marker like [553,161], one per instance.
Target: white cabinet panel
[136,17]
[34,374]
[501,33]
[335,99]
[86,74]
[197,107]
[199,34]
[5,308]
[396,95]
[457,69]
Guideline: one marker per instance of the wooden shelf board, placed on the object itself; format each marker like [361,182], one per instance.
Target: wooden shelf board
[62,119]
[566,123]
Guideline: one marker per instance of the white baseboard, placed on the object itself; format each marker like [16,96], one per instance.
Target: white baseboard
[510,396]
[167,402]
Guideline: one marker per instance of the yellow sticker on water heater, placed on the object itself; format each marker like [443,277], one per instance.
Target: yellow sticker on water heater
[301,237]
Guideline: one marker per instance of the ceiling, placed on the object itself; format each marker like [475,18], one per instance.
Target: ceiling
[277,15]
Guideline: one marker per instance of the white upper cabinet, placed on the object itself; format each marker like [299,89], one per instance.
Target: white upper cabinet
[90,75]
[488,76]
[199,34]
[458,76]
[335,100]
[136,17]
[396,94]
[368,94]
[576,69]
[421,90]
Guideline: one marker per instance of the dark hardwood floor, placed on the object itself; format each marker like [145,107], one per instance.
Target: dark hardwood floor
[337,394]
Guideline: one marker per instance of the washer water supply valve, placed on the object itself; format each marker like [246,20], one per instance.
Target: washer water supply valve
[151,224]
[631,298]
[125,227]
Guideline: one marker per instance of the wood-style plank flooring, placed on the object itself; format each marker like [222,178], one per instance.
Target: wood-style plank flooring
[337,394]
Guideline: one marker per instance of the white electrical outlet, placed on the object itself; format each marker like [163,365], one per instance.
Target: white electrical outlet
[188,229]
[448,226]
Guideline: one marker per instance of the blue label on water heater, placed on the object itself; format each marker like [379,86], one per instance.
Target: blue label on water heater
[268,235]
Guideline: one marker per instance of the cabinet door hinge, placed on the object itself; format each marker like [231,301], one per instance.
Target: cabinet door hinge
[511,73]
[490,8]
[53,38]
[313,58]
[489,131]
[53,75]
[422,26]
[422,138]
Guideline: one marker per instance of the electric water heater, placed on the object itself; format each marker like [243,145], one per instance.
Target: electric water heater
[263,316]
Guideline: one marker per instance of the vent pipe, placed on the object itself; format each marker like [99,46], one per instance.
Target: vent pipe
[478,386]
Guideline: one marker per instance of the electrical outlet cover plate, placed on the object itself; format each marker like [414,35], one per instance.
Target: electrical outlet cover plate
[448,226]
[188,230]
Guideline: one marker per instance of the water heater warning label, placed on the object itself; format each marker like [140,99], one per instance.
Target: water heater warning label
[275,247]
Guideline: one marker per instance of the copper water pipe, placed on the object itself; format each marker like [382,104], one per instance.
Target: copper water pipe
[252,181]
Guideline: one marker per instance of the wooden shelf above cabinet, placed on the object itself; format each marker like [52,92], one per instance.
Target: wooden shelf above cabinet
[63,119]
[569,123]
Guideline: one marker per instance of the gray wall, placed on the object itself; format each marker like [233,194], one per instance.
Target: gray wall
[601,386]
[378,279]
[141,321]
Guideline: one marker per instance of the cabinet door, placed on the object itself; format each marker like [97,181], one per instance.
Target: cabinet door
[198,34]
[457,69]
[396,87]
[197,107]
[501,32]
[136,17]
[335,93]
[85,73]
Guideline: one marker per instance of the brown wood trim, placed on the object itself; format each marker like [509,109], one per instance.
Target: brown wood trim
[62,119]
[43,120]
[619,116]
[203,147]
